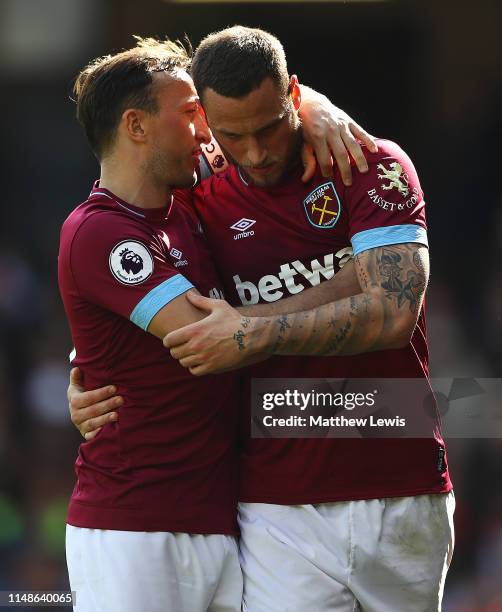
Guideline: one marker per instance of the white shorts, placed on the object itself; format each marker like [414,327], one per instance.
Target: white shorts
[129,571]
[381,555]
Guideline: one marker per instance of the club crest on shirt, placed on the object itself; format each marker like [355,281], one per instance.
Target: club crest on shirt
[322,206]
[130,262]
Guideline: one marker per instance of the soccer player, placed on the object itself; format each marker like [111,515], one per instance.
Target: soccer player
[152,516]
[343,515]
[325,524]
[155,498]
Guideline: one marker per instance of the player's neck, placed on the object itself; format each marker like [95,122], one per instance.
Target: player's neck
[131,185]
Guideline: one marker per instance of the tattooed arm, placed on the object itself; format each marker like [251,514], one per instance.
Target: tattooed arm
[382,316]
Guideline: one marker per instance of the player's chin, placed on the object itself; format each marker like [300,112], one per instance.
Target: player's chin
[267,180]
[187,180]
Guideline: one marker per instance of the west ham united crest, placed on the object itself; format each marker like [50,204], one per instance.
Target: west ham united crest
[322,206]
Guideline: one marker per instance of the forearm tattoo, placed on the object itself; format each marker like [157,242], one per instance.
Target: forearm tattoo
[392,278]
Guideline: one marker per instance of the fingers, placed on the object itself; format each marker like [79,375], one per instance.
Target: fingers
[76,383]
[363,135]
[201,302]
[324,159]
[205,369]
[199,370]
[84,399]
[179,336]
[103,411]
[342,159]
[355,150]
[181,351]
[76,377]
[191,361]
[309,162]
[91,434]
[90,427]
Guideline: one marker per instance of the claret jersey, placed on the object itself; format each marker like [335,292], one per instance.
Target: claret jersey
[270,243]
[168,463]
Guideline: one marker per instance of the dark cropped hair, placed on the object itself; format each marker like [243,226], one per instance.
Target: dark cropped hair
[109,85]
[235,61]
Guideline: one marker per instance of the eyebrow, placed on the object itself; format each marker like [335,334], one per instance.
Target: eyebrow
[272,123]
[190,100]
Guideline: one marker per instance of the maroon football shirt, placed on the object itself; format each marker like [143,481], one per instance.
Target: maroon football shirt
[271,243]
[168,464]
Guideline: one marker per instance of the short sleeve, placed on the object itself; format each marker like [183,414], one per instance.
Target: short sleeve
[121,265]
[386,205]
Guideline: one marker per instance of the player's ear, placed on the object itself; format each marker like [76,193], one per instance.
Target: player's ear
[295,91]
[133,121]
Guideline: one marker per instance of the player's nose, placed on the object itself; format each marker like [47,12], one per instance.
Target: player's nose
[256,154]
[202,131]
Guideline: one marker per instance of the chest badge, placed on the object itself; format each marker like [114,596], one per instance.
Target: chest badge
[322,206]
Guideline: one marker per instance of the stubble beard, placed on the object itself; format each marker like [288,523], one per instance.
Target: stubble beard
[293,158]
[168,170]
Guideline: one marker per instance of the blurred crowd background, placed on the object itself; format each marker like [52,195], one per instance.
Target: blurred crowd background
[427,74]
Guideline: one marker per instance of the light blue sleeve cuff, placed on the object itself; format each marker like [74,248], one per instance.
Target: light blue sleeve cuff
[157,298]
[384,236]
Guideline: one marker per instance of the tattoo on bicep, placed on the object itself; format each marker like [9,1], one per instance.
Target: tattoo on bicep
[362,272]
[366,268]
[388,266]
[239,338]
[403,277]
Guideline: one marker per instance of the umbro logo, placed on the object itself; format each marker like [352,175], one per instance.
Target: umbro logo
[242,226]
[178,255]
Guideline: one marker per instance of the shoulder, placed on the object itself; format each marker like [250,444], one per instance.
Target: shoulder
[92,228]
[391,175]
[390,152]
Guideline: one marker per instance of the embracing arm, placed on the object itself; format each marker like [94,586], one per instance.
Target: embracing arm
[90,410]
[382,316]
[332,135]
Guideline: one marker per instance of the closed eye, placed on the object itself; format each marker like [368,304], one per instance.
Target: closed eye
[268,129]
